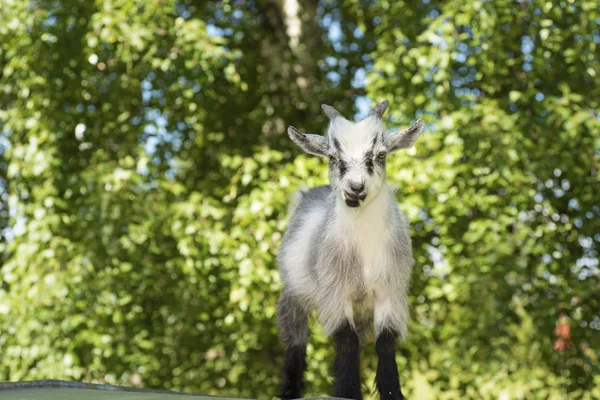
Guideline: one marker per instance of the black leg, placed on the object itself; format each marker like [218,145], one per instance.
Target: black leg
[293,372]
[347,363]
[293,326]
[388,383]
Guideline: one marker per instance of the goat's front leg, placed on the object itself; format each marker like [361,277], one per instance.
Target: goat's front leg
[390,322]
[388,383]
[347,363]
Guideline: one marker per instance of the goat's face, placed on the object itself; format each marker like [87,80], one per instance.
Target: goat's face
[357,156]
[357,152]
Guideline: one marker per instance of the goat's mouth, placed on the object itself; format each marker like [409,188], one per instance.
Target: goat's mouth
[352,203]
[353,200]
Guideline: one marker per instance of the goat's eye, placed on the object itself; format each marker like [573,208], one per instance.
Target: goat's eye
[381,155]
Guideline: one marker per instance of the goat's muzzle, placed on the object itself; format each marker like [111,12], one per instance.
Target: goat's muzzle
[353,199]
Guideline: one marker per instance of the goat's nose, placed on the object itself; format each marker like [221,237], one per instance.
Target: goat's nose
[357,187]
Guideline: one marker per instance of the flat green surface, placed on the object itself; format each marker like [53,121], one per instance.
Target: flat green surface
[91,394]
[51,389]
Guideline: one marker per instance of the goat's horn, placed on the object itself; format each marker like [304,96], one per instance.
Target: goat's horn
[331,112]
[379,109]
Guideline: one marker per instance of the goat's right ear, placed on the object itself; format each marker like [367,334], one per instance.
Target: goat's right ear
[312,144]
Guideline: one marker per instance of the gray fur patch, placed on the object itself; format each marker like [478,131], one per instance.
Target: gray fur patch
[292,317]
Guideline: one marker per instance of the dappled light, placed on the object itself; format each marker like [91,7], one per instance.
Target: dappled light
[146,175]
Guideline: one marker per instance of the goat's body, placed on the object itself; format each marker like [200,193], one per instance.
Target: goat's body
[349,264]
[347,253]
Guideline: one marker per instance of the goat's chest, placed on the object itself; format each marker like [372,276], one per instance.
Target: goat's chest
[371,250]
[369,239]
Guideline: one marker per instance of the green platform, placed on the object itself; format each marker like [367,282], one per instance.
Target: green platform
[58,390]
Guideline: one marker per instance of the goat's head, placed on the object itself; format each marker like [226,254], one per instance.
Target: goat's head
[357,151]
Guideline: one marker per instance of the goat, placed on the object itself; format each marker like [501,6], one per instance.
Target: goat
[347,253]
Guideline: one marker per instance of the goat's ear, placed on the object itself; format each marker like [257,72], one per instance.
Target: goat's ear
[405,138]
[312,144]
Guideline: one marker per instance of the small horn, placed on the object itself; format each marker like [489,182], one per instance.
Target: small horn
[331,112]
[379,109]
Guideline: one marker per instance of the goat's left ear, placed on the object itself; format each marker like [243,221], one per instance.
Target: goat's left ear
[312,144]
[405,138]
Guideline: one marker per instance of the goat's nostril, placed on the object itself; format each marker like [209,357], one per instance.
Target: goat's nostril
[357,187]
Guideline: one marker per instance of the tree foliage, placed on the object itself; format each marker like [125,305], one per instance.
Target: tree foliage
[145,179]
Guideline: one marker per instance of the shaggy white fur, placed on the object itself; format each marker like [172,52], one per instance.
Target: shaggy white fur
[347,250]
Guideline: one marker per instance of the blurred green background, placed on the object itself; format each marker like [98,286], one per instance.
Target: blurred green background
[145,175]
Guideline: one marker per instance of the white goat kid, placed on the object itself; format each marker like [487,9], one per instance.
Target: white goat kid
[347,253]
